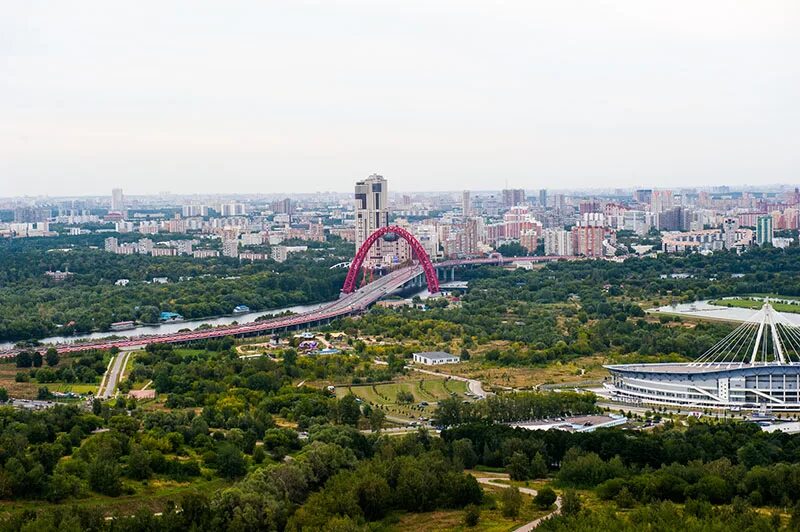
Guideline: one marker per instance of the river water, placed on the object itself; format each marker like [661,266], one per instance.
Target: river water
[172,327]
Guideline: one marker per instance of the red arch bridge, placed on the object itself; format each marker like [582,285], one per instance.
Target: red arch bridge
[352,301]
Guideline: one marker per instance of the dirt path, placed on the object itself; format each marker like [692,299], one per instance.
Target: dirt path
[527,527]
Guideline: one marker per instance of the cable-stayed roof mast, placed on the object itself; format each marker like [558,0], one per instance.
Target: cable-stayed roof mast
[767,337]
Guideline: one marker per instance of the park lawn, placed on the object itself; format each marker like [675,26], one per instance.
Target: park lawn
[152,494]
[756,305]
[65,387]
[385,395]
[454,386]
[773,296]
[365,392]
[129,365]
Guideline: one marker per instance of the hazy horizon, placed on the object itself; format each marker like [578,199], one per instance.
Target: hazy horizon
[263,98]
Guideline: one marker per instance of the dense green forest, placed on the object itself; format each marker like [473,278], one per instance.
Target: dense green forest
[34,306]
[65,454]
[700,466]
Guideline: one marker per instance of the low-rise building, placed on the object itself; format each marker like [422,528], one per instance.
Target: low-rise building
[434,358]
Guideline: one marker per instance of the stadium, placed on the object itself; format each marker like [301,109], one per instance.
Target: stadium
[756,367]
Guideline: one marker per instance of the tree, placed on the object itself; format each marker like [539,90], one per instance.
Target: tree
[571,503]
[538,467]
[104,476]
[544,498]
[23,359]
[625,499]
[376,418]
[349,410]
[43,394]
[36,359]
[518,466]
[289,357]
[448,413]
[405,397]
[51,356]
[3,395]
[230,461]
[139,463]
[511,500]
[472,515]
[464,453]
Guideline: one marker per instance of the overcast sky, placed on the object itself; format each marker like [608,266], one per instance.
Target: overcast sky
[305,96]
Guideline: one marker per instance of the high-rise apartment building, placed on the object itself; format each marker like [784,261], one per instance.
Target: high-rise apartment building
[660,200]
[117,200]
[764,230]
[643,195]
[230,248]
[466,204]
[189,211]
[557,242]
[232,209]
[529,239]
[110,244]
[543,198]
[587,240]
[513,197]
[371,213]
[283,206]
[729,228]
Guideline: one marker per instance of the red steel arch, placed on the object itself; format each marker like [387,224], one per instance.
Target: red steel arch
[416,248]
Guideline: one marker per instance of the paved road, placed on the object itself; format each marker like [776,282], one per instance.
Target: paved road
[114,373]
[527,527]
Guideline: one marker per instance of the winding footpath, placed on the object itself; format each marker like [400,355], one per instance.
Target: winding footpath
[527,527]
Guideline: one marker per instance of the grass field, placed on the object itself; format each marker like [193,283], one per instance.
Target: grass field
[491,519]
[755,305]
[385,395]
[152,494]
[579,370]
[67,387]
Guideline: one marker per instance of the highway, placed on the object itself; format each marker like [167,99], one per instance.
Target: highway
[347,304]
[113,375]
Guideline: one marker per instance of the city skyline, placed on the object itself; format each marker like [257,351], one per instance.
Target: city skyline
[301,98]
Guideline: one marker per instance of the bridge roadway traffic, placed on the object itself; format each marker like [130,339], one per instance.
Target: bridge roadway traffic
[346,305]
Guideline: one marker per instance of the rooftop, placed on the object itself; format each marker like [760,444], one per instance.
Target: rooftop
[436,355]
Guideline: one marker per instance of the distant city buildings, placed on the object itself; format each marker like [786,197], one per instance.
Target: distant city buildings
[513,197]
[457,224]
[117,200]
